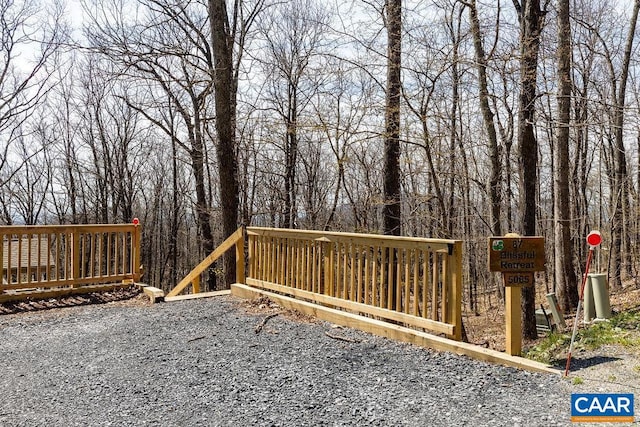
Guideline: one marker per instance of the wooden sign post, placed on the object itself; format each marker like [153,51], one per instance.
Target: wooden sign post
[517,258]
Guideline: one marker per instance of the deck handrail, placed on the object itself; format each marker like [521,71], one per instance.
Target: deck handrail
[193,277]
[53,256]
[411,280]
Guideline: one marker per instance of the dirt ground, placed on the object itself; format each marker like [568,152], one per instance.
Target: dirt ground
[488,328]
[611,368]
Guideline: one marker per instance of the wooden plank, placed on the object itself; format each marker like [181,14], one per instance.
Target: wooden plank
[56,293]
[398,282]
[383,289]
[50,271]
[100,243]
[372,239]
[345,272]
[455,281]
[438,327]
[65,229]
[29,236]
[395,332]
[83,258]
[297,264]
[331,269]
[2,274]
[263,262]
[314,267]
[252,251]
[444,289]
[308,275]
[375,292]
[352,273]
[9,263]
[19,260]
[75,256]
[273,254]
[195,283]
[240,260]
[416,297]
[198,296]
[359,282]
[407,282]
[92,255]
[153,293]
[435,277]
[135,246]
[425,283]
[125,250]
[68,282]
[286,263]
[288,266]
[39,267]
[513,319]
[108,251]
[390,284]
[367,280]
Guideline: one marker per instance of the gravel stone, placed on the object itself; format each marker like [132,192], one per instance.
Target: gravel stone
[201,363]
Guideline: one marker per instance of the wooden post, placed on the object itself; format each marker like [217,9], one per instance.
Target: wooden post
[2,271]
[196,284]
[513,317]
[517,258]
[75,256]
[240,272]
[454,309]
[135,249]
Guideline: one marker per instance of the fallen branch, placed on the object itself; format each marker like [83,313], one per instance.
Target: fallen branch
[338,337]
[196,338]
[264,322]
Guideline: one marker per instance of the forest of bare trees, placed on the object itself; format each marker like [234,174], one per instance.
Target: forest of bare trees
[443,118]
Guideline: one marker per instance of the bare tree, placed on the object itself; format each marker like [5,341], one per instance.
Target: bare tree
[620,189]
[26,27]
[531,17]
[292,35]
[564,272]
[495,156]
[225,35]
[391,212]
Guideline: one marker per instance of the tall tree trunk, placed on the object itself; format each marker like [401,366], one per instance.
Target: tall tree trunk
[620,190]
[392,208]
[495,184]
[291,156]
[565,276]
[531,19]
[225,126]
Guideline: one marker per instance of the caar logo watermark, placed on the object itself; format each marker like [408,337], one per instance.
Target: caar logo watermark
[602,408]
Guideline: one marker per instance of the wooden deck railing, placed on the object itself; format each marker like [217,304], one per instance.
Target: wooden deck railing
[45,257]
[413,281]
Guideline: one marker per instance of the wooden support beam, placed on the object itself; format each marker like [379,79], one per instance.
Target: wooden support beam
[437,327]
[197,296]
[513,319]
[213,256]
[154,294]
[395,332]
[56,293]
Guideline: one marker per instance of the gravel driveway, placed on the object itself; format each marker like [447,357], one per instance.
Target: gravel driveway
[201,363]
